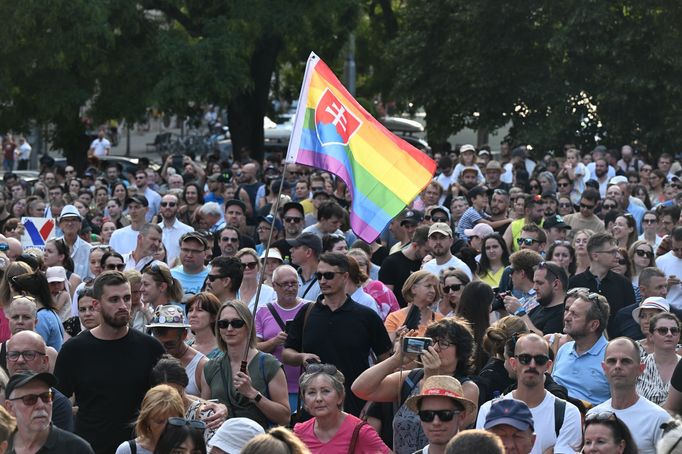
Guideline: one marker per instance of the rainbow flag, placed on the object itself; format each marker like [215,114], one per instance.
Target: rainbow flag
[333,132]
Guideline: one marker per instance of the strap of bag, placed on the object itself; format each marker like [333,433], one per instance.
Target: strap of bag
[559,413]
[261,366]
[305,323]
[133,446]
[307,289]
[276,316]
[356,435]
[410,382]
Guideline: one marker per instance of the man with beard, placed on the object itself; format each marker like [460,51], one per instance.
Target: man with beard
[172,228]
[499,209]
[557,422]
[550,282]
[440,242]
[534,211]
[108,368]
[493,171]
[601,168]
[577,365]
[148,242]
[550,203]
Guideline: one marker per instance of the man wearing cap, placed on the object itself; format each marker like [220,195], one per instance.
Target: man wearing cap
[534,211]
[191,272]
[124,240]
[108,368]
[152,196]
[633,320]
[148,243]
[265,225]
[512,421]
[493,172]
[442,409]
[28,397]
[403,228]
[70,222]
[171,227]
[551,204]
[440,241]
[305,253]
[556,228]
[557,422]
[225,278]
[169,326]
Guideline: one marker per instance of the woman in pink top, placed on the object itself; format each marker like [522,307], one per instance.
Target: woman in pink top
[331,430]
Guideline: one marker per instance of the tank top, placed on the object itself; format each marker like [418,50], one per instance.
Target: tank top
[191,369]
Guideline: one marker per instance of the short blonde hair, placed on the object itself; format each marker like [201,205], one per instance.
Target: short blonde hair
[161,400]
[278,440]
[245,314]
[248,251]
[416,278]
[134,277]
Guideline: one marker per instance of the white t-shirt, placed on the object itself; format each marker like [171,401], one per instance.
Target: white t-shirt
[435,268]
[570,435]
[100,147]
[644,420]
[672,266]
[124,240]
[24,152]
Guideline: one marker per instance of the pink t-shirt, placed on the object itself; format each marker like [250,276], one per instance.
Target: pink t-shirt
[5,332]
[267,328]
[369,441]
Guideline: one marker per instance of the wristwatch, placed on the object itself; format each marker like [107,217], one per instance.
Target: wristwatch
[258,397]
[520,312]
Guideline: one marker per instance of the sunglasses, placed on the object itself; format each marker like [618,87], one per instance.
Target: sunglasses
[443,415]
[213,277]
[119,267]
[236,323]
[29,355]
[250,265]
[229,240]
[439,219]
[526,241]
[286,284]
[525,359]
[587,207]
[452,288]
[563,185]
[608,207]
[642,253]
[292,219]
[181,422]
[622,262]
[649,221]
[168,204]
[328,275]
[663,331]
[31,399]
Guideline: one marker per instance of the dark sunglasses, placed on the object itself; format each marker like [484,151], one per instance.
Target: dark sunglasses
[663,330]
[526,241]
[328,275]
[443,415]
[452,288]
[525,359]
[587,207]
[649,221]
[292,219]
[213,277]
[250,265]
[229,240]
[181,422]
[168,204]
[642,253]
[31,399]
[236,323]
[608,207]
[563,185]
[119,267]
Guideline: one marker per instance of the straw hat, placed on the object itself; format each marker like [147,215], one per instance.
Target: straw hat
[441,386]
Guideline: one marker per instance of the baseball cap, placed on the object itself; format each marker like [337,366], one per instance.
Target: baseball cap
[195,236]
[430,211]
[618,180]
[653,302]
[309,240]
[218,177]
[440,227]
[234,434]
[55,274]
[70,211]
[467,147]
[493,165]
[483,151]
[555,221]
[270,220]
[480,230]
[22,378]
[411,216]
[511,412]
[470,169]
[168,316]
[548,194]
[295,205]
[138,198]
[518,153]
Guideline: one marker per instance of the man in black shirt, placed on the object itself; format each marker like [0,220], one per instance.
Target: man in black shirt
[337,330]
[398,266]
[108,367]
[617,289]
[549,281]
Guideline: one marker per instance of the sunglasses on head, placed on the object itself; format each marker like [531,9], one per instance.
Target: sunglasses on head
[443,415]
[600,416]
[643,253]
[180,422]
[235,323]
[31,399]
[314,368]
[525,359]
[452,288]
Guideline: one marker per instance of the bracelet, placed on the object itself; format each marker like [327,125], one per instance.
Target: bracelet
[520,312]
[258,398]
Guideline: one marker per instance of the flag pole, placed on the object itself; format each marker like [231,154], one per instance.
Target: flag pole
[261,280]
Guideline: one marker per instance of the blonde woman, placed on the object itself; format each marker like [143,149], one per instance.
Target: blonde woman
[421,290]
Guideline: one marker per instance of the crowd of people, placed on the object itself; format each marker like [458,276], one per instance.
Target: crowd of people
[514,306]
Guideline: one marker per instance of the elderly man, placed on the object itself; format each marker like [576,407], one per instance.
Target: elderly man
[512,421]
[148,242]
[441,409]
[28,397]
[70,222]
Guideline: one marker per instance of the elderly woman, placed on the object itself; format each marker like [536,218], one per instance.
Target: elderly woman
[271,323]
[202,311]
[654,382]
[248,289]
[454,281]
[260,392]
[421,290]
[331,430]
[451,354]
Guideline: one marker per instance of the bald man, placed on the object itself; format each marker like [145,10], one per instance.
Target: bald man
[15,248]
[27,352]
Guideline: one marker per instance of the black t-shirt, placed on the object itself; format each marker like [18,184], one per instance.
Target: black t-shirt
[395,270]
[676,379]
[109,378]
[343,338]
[59,441]
[625,325]
[548,319]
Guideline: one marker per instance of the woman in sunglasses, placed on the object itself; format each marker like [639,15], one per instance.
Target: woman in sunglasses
[606,434]
[565,205]
[654,382]
[641,255]
[494,258]
[249,288]
[160,403]
[260,392]
[331,430]
[453,281]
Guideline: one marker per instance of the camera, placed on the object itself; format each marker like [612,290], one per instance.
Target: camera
[498,300]
[416,345]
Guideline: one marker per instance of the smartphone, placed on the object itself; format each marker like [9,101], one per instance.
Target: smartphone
[416,345]
[413,318]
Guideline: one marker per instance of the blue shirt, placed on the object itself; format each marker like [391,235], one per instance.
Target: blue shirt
[582,374]
[50,328]
[637,212]
[468,220]
[191,283]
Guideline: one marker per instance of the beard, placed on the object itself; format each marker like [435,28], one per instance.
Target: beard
[544,300]
[117,320]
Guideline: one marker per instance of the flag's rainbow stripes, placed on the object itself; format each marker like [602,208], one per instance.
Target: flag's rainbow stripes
[383,172]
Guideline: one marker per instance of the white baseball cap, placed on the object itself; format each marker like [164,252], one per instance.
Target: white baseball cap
[234,434]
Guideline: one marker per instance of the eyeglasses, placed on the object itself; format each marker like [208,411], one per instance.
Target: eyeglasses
[328,275]
[525,359]
[235,323]
[452,288]
[642,253]
[314,368]
[181,422]
[286,284]
[443,343]
[29,355]
[443,415]
[112,266]
[250,265]
[31,399]
[168,204]
[213,277]
[601,416]
[587,207]
[526,241]
[649,221]
[227,239]
[664,330]
[263,229]
[292,219]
